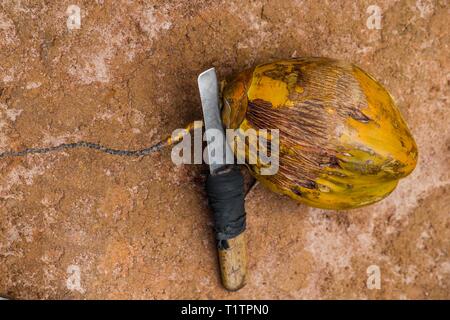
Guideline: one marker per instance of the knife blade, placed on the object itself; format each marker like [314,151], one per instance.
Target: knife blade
[214,131]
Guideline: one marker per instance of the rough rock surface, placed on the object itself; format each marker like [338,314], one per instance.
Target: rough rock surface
[80,224]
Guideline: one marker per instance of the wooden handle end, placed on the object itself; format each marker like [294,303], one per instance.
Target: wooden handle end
[233,263]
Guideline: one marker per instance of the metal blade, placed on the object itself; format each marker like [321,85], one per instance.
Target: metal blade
[209,94]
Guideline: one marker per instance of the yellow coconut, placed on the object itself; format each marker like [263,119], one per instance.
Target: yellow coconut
[343,142]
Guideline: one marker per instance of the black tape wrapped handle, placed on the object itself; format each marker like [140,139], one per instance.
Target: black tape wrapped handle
[226,198]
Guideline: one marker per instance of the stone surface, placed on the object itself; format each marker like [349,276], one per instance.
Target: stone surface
[80,224]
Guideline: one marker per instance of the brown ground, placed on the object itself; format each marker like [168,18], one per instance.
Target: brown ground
[140,228]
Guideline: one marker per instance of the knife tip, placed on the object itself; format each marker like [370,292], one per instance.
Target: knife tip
[206,72]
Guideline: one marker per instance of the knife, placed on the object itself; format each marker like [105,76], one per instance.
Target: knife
[225,188]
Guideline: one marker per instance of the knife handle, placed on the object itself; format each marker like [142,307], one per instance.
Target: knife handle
[233,263]
[226,196]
